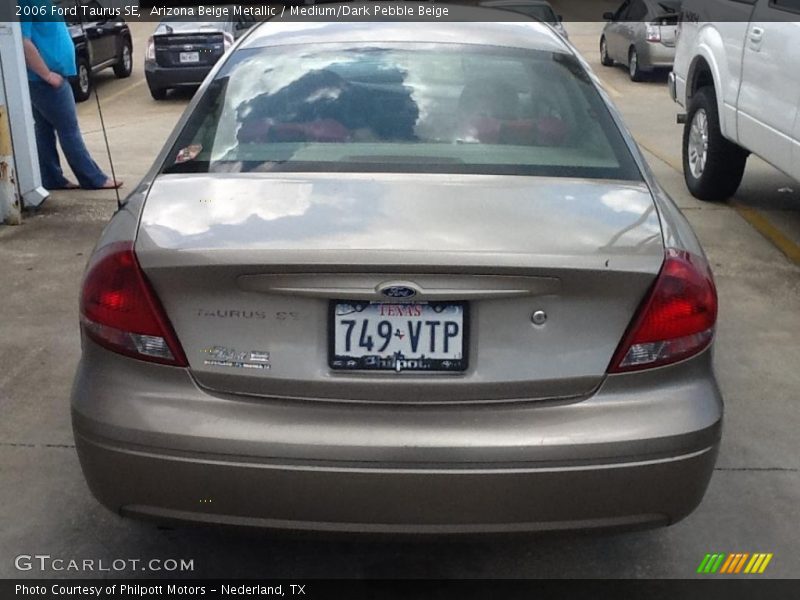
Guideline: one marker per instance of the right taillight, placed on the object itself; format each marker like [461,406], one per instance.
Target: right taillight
[121,312]
[675,321]
[653,32]
[228,41]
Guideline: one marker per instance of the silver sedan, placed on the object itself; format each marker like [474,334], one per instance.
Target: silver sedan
[409,286]
[641,35]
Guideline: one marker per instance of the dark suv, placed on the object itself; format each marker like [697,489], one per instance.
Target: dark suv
[181,52]
[99,44]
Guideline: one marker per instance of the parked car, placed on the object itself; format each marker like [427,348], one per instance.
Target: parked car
[99,44]
[538,9]
[736,75]
[181,51]
[380,279]
[640,35]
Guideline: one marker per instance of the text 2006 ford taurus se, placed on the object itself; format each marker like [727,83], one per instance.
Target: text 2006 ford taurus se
[406,286]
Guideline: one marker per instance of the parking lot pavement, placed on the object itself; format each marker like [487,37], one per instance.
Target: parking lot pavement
[651,114]
[751,505]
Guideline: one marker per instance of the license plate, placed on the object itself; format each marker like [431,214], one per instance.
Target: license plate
[190,57]
[398,337]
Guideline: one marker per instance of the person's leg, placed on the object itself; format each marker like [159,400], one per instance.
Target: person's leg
[49,163]
[64,117]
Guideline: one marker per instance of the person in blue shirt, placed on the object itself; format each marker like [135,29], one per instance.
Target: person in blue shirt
[50,58]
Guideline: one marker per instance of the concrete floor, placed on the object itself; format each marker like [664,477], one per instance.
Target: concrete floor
[751,505]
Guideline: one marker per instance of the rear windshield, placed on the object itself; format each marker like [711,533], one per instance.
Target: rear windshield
[168,26]
[433,108]
[669,6]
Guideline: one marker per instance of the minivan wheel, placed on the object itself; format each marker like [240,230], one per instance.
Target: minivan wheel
[713,167]
[605,59]
[82,82]
[124,66]
[634,68]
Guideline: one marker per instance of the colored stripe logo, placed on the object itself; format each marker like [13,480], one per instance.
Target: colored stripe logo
[735,563]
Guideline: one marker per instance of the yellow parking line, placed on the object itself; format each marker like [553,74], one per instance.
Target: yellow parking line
[665,159]
[613,92]
[122,92]
[761,224]
[756,219]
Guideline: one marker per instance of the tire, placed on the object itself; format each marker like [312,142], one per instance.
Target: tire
[82,83]
[124,67]
[605,59]
[158,93]
[634,68]
[713,167]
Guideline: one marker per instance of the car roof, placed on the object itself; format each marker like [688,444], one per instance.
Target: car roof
[661,5]
[490,27]
[493,3]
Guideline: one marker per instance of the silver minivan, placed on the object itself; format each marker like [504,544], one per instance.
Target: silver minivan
[641,34]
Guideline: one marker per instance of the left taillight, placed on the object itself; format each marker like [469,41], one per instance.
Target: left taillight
[121,312]
[675,321]
[150,55]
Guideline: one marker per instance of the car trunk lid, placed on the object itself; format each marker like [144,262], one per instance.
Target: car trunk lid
[246,267]
[189,48]
[667,26]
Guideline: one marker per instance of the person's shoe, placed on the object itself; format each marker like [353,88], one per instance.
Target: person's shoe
[65,186]
[109,184]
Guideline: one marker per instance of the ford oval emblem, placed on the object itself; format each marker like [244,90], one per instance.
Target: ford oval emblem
[398,291]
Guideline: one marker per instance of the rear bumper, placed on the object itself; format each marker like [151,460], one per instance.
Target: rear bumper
[657,56]
[171,77]
[671,84]
[447,499]
[158,446]
[679,84]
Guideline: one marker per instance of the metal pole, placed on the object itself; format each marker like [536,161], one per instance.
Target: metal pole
[20,116]
[10,210]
